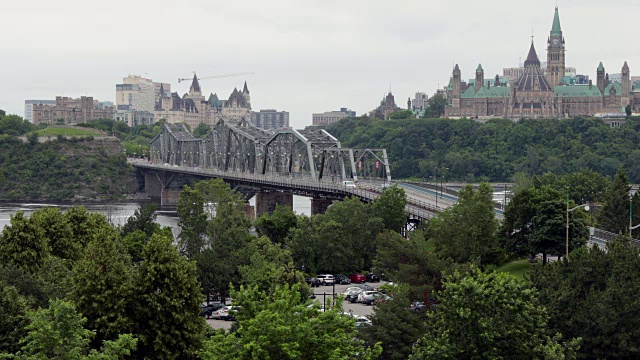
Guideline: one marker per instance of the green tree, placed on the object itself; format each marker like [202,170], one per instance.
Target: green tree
[58,232]
[394,327]
[201,130]
[389,206]
[614,215]
[86,224]
[166,317]
[467,231]
[401,115]
[281,326]
[409,261]
[437,103]
[13,319]
[23,243]
[264,263]
[143,219]
[57,333]
[489,316]
[594,296]
[276,225]
[535,222]
[102,289]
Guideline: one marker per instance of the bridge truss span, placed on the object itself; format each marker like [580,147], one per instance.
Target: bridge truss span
[239,146]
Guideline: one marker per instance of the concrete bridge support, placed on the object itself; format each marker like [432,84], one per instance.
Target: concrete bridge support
[320,205]
[266,201]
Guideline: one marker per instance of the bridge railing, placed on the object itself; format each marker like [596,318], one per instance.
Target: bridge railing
[607,236]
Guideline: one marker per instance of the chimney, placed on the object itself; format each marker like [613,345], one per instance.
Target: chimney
[590,84]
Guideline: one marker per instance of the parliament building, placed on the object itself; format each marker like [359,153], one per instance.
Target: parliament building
[538,92]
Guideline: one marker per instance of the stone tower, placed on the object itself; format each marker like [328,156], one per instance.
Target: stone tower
[195,90]
[457,80]
[626,84]
[600,79]
[555,52]
[479,77]
[245,93]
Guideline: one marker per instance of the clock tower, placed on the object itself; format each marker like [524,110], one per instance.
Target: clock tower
[555,52]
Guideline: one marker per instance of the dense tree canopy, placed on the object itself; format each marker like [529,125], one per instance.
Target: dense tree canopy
[595,296]
[477,318]
[497,150]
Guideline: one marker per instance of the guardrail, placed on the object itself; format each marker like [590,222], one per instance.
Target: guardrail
[606,236]
[414,207]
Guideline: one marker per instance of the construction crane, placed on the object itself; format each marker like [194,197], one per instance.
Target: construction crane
[215,76]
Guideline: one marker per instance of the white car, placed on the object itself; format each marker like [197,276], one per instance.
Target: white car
[326,279]
[349,184]
[224,313]
[367,296]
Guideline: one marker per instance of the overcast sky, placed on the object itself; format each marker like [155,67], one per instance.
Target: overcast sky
[307,56]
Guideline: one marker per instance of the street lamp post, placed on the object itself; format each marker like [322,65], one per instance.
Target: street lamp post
[586,207]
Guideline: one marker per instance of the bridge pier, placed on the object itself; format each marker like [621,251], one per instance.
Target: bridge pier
[250,211]
[169,197]
[320,205]
[266,201]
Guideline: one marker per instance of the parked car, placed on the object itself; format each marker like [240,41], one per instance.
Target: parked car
[372,297]
[342,279]
[351,294]
[362,321]
[363,286]
[417,306]
[313,282]
[367,297]
[225,313]
[372,278]
[207,310]
[357,278]
[326,279]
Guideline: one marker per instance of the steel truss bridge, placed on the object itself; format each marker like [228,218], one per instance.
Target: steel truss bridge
[303,162]
[239,146]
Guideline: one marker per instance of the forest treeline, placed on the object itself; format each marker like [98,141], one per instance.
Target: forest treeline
[467,150]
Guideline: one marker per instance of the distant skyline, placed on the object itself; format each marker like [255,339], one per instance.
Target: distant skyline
[307,57]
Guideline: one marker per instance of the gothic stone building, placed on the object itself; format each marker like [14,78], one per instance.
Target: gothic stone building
[192,108]
[539,94]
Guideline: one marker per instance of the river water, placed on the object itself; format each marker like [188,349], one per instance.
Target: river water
[118,213]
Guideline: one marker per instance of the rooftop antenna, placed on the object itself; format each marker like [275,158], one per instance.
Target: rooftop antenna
[531,35]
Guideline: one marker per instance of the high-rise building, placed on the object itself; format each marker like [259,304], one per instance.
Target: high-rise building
[420,101]
[28,107]
[270,119]
[330,117]
[138,93]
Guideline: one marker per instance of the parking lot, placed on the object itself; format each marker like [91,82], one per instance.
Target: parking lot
[321,293]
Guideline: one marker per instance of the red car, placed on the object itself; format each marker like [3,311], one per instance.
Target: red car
[357,278]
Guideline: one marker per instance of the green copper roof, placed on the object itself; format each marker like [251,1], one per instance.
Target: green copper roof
[555,29]
[636,86]
[600,67]
[577,91]
[479,69]
[486,92]
[617,88]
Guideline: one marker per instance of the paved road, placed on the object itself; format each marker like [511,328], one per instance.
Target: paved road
[355,308]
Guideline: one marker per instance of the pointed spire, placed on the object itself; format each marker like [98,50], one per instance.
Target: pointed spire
[456,68]
[555,28]
[600,67]
[479,69]
[195,85]
[161,89]
[625,67]
[245,90]
[532,58]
